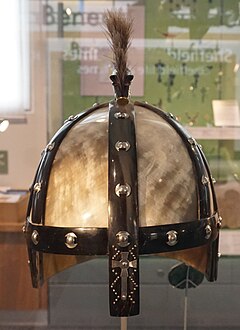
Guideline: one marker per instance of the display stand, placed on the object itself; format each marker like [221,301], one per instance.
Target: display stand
[123,323]
[185,277]
[186,301]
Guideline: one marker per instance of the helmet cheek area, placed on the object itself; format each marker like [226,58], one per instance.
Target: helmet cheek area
[196,257]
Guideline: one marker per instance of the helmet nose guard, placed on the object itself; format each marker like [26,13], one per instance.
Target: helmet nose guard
[127,215]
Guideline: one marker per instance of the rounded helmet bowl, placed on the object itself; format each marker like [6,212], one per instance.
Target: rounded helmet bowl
[122,180]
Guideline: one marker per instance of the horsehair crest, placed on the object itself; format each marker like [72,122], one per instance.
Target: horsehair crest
[118,28]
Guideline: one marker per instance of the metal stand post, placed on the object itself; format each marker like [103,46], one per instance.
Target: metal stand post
[186,301]
[123,323]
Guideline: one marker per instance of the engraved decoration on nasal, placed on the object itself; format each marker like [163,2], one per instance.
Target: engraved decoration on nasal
[124,266]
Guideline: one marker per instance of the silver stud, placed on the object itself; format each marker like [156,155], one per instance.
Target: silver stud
[208,231]
[205,180]
[219,223]
[121,115]
[35,237]
[192,141]
[37,187]
[50,146]
[24,229]
[122,189]
[122,145]
[219,254]
[213,180]
[123,238]
[172,237]
[171,115]
[71,240]
[70,118]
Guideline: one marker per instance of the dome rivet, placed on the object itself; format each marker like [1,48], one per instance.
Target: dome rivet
[50,146]
[205,180]
[125,264]
[172,237]
[37,187]
[35,237]
[208,231]
[123,238]
[71,240]
[122,145]
[70,118]
[171,115]
[219,223]
[192,141]
[121,115]
[123,189]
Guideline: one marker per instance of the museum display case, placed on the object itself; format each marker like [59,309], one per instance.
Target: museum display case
[184,56]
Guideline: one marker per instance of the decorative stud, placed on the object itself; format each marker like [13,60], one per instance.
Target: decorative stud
[171,115]
[123,238]
[192,141]
[213,180]
[205,180]
[71,240]
[219,223]
[172,237]
[208,231]
[70,118]
[37,187]
[50,146]
[35,237]
[122,145]
[121,115]
[123,189]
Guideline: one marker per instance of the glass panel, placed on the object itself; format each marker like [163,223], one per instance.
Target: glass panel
[184,55]
[14,58]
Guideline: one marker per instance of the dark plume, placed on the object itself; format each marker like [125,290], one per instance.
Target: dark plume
[118,28]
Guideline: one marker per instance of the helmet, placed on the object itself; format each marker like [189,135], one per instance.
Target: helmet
[122,179]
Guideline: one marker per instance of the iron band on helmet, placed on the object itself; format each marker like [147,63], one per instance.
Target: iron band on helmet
[122,179]
[155,239]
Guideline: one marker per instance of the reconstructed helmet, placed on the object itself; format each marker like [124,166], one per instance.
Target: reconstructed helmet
[122,179]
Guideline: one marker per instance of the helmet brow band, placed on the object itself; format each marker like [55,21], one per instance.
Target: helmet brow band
[152,239]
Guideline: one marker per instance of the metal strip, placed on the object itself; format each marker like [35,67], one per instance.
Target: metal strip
[93,241]
[123,212]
